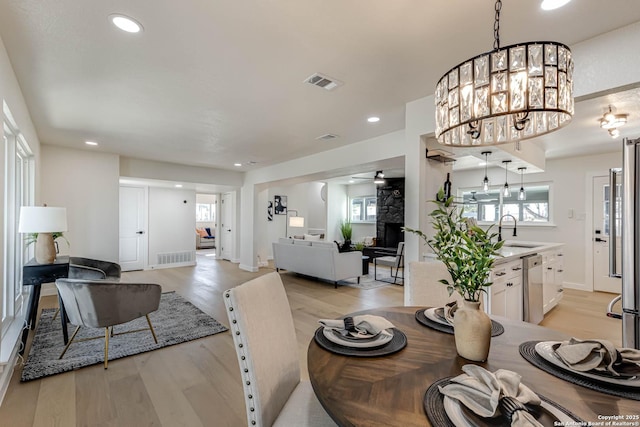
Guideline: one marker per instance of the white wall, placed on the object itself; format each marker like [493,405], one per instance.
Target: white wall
[571,180]
[304,198]
[86,183]
[309,169]
[149,169]
[362,230]
[171,221]
[316,207]
[337,202]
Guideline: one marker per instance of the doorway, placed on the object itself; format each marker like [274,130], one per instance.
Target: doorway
[133,227]
[227,226]
[601,199]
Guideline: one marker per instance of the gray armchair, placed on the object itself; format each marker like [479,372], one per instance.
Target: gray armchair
[396,262]
[91,269]
[104,304]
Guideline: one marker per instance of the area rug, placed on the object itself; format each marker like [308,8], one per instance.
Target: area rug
[176,321]
[368,282]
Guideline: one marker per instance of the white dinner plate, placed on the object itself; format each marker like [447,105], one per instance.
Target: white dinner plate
[430,314]
[546,351]
[381,339]
[453,408]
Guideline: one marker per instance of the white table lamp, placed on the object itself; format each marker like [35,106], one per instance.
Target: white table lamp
[293,221]
[43,220]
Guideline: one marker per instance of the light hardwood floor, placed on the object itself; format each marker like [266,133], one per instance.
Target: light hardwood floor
[198,383]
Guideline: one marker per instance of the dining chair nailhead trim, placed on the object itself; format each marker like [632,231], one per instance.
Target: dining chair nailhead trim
[248,388]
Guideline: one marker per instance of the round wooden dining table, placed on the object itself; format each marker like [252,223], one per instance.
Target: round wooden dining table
[389,390]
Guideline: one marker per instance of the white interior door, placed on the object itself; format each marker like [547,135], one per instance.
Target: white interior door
[226,226]
[601,280]
[133,226]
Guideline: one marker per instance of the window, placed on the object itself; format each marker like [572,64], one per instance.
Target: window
[204,212]
[363,209]
[19,190]
[489,207]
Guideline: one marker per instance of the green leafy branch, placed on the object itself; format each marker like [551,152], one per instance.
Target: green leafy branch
[467,251]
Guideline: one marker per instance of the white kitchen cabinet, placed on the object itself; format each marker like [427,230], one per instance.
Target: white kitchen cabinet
[552,277]
[506,291]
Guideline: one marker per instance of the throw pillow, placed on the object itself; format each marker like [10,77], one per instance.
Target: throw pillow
[201,232]
[311,237]
[208,230]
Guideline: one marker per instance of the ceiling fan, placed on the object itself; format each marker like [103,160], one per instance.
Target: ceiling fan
[473,200]
[377,179]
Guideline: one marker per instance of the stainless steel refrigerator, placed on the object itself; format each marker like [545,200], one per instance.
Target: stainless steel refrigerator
[629,220]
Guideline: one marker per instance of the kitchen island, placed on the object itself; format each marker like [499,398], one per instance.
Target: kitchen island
[507,296]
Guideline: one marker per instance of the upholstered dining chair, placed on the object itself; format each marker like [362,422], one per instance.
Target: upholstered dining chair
[423,287]
[267,350]
[104,304]
[396,261]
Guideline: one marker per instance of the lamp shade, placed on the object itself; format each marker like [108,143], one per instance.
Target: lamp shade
[296,221]
[42,219]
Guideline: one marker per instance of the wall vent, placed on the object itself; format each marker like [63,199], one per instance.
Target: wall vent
[327,137]
[176,257]
[325,82]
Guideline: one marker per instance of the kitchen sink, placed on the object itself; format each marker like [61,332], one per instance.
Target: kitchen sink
[520,245]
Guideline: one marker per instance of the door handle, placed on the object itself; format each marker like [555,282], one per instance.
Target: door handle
[598,239]
[139,232]
[229,230]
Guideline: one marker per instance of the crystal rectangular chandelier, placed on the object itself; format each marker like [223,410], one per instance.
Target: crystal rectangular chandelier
[509,94]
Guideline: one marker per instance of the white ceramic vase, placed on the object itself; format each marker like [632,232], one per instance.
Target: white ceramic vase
[472,331]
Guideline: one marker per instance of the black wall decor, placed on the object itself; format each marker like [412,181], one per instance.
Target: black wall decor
[280,205]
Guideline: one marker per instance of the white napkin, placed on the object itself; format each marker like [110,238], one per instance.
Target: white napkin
[481,391]
[450,310]
[599,355]
[366,325]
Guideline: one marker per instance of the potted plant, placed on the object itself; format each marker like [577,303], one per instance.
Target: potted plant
[347,231]
[468,252]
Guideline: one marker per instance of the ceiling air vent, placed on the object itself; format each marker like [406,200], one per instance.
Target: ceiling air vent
[327,137]
[325,82]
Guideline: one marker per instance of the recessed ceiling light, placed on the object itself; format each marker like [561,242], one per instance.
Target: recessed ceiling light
[125,23]
[373,119]
[237,165]
[553,4]
[351,181]
[178,185]
[91,143]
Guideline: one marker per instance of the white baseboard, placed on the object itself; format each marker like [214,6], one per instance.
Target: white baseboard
[249,268]
[177,264]
[577,286]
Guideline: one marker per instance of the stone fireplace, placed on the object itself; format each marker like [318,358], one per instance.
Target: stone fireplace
[390,213]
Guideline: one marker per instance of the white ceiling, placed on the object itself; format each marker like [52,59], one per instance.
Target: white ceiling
[213,82]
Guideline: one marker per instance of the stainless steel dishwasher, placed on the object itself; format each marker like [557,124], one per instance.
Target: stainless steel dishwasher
[532,289]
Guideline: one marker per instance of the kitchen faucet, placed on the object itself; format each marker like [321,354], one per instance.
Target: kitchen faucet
[515,223]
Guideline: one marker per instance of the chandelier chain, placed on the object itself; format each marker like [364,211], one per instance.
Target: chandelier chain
[496,26]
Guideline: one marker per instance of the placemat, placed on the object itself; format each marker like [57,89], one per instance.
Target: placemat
[528,352]
[496,328]
[397,343]
[433,403]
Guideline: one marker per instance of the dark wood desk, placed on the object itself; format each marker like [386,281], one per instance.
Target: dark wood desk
[34,274]
[389,390]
